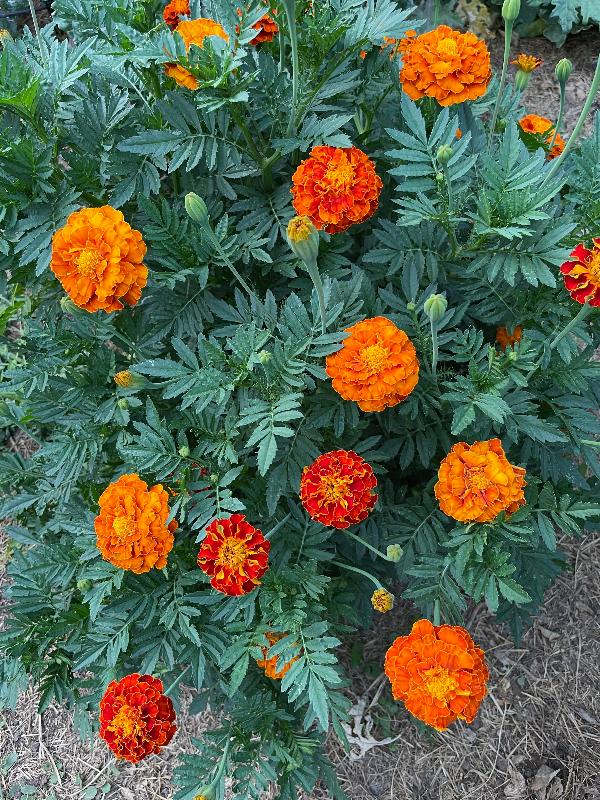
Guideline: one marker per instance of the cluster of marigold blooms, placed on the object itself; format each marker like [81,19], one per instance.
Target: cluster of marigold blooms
[436,670]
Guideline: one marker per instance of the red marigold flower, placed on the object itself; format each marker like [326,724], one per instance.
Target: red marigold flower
[269,665]
[234,554]
[542,127]
[438,673]
[336,187]
[506,339]
[174,10]
[136,718]
[336,489]
[582,274]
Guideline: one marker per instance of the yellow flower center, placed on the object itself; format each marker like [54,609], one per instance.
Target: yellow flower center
[87,262]
[124,526]
[447,47]
[233,553]
[127,722]
[340,176]
[477,479]
[593,266]
[335,487]
[439,683]
[374,357]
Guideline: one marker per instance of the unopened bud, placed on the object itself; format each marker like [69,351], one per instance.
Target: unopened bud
[184,451]
[563,70]
[264,356]
[382,600]
[67,305]
[444,154]
[128,380]
[511,10]
[501,125]
[435,306]
[196,208]
[84,585]
[410,306]
[513,356]
[439,176]
[122,403]
[394,552]
[303,239]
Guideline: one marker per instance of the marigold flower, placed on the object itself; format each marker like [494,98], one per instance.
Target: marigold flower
[382,600]
[336,187]
[174,10]
[445,64]
[98,258]
[377,365]
[336,489]
[506,339]
[438,673]
[582,274]
[540,126]
[193,32]
[527,63]
[234,555]
[267,29]
[476,482]
[459,133]
[131,528]
[269,665]
[123,378]
[136,718]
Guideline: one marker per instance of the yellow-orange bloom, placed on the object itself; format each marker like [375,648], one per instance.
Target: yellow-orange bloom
[98,258]
[445,64]
[377,366]
[124,379]
[382,600]
[540,126]
[506,339]
[131,528]
[193,32]
[269,665]
[438,673]
[476,482]
[527,63]
[174,10]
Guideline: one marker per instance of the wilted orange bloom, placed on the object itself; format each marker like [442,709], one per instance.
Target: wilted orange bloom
[270,664]
[459,133]
[131,528]
[377,366]
[476,482]
[382,600]
[438,673]
[136,718]
[540,126]
[445,64]
[336,187]
[98,258]
[234,554]
[193,32]
[336,489]
[582,274]
[527,63]
[506,339]
[174,10]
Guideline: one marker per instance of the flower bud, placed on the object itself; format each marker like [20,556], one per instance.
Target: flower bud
[410,307]
[303,239]
[5,37]
[196,208]
[382,600]
[512,356]
[439,176]
[435,306]
[122,403]
[444,154]
[394,552]
[184,451]
[563,70]
[84,585]
[501,125]
[128,380]
[67,305]
[511,10]
[264,356]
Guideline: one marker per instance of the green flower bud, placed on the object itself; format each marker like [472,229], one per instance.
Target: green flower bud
[563,70]
[122,403]
[522,80]
[264,356]
[410,307]
[67,305]
[213,477]
[196,209]
[184,451]
[439,176]
[435,306]
[511,10]
[84,585]
[394,552]
[444,154]
[303,239]
[512,356]
[501,125]
[129,380]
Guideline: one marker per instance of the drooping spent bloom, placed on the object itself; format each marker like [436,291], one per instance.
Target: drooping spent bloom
[476,482]
[377,365]
[582,274]
[506,339]
[136,718]
[131,528]
[98,258]
[382,600]
[337,489]
[438,673]
[542,128]
[234,554]
[336,187]
[269,665]
[193,32]
[445,64]
[174,10]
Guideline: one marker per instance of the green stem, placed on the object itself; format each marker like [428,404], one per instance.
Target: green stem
[315,276]
[290,13]
[217,245]
[277,527]
[434,355]
[436,12]
[561,113]
[436,612]
[37,30]
[223,764]
[508,29]
[178,680]
[584,311]
[373,580]
[367,545]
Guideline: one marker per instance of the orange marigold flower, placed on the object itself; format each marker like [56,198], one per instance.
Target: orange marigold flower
[98,258]
[193,32]
[445,64]
[459,133]
[476,482]
[506,339]
[136,718]
[438,673]
[336,489]
[267,29]
[234,554]
[527,63]
[131,528]
[377,365]
[582,274]
[174,10]
[382,600]
[540,126]
[336,187]
[269,665]
[123,378]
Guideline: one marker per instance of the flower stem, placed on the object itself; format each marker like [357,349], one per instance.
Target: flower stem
[367,545]
[315,276]
[372,578]
[178,680]
[290,13]
[434,343]
[436,12]
[584,311]
[561,113]
[37,30]
[217,245]
[508,29]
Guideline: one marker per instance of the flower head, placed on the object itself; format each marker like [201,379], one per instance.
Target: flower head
[98,258]
[336,187]
[336,489]
[234,554]
[438,673]
[193,32]
[543,130]
[269,665]
[123,378]
[506,339]
[476,482]
[527,63]
[131,528]
[303,239]
[377,365]
[267,29]
[582,274]
[382,600]
[174,10]
[445,64]
[136,718]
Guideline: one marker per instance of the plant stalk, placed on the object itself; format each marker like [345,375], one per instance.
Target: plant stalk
[315,276]
[508,29]
[290,13]
[367,545]
[561,113]
[368,575]
[584,312]
[36,27]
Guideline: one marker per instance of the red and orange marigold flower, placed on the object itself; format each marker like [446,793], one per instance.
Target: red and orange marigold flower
[377,366]
[507,339]
[269,665]
[136,718]
[131,528]
[476,482]
[543,127]
[337,489]
[438,673]
[234,554]
[174,10]
[582,274]
[336,187]
[445,64]
[98,258]
[193,32]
